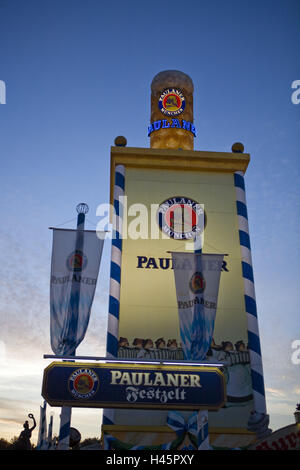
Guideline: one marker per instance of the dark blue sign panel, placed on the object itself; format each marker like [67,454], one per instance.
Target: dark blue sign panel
[142,386]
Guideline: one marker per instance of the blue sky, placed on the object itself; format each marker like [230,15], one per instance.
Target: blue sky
[78,74]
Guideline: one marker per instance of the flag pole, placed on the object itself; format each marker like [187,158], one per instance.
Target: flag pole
[202,416]
[66,411]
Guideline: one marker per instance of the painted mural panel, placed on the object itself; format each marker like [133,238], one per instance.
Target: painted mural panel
[149,325]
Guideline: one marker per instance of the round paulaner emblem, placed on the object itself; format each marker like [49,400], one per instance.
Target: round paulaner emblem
[76,261]
[181,218]
[197,283]
[83,383]
[171,102]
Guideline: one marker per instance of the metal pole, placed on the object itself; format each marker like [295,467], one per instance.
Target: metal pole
[178,362]
[66,411]
[202,417]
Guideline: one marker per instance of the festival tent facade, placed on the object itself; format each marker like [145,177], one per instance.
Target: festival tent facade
[195,201]
[183,366]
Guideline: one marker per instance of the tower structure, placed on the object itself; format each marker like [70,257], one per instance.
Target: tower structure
[154,193]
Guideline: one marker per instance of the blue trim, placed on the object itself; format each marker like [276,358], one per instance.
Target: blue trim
[117,241]
[118,207]
[247,271]
[115,272]
[64,431]
[113,306]
[106,420]
[239,181]
[254,343]
[112,344]
[120,180]
[242,209]
[117,235]
[244,239]
[258,382]
[250,305]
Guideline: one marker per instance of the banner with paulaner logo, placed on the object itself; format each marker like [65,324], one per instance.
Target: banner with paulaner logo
[197,278]
[76,256]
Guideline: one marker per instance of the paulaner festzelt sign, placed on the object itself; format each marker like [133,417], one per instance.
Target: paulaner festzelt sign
[188,387]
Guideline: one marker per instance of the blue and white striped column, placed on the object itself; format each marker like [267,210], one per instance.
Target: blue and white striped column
[64,431]
[42,428]
[115,274]
[250,299]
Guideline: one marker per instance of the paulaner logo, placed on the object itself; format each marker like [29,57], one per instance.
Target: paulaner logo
[83,383]
[197,283]
[77,261]
[171,102]
[181,218]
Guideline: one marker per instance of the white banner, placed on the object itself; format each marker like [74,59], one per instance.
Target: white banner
[76,256]
[197,278]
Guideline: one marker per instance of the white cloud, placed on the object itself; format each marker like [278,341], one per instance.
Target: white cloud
[276,392]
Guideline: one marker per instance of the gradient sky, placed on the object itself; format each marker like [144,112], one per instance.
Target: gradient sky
[78,74]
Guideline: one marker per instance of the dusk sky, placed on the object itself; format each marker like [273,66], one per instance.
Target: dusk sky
[77,75]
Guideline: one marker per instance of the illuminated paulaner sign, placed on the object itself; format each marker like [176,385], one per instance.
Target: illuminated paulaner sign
[143,386]
[173,123]
[171,102]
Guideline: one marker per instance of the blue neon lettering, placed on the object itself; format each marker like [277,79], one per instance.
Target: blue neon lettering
[150,129]
[186,125]
[165,124]
[176,123]
[157,125]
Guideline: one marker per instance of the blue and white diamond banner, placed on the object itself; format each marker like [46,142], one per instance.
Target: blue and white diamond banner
[76,256]
[197,278]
